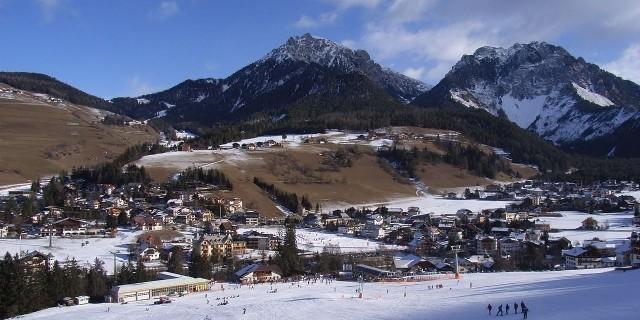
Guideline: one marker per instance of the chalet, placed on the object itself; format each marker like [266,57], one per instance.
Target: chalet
[509,246]
[258,273]
[587,258]
[37,260]
[145,222]
[408,262]
[369,272]
[251,218]
[486,245]
[148,254]
[227,227]
[372,231]
[220,245]
[184,218]
[4,230]
[481,262]
[71,227]
[233,205]
[185,147]
[259,241]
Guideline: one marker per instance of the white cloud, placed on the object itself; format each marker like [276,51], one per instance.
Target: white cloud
[627,66]
[48,8]
[347,4]
[138,86]
[165,10]
[415,73]
[349,43]
[402,11]
[447,43]
[326,18]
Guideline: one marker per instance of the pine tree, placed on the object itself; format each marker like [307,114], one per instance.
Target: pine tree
[123,219]
[56,282]
[141,273]
[288,259]
[97,281]
[74,279]
[176,261]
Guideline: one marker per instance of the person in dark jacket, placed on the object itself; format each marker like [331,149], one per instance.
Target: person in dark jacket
[489,307]
[515,307]
[507,308]
[525,311]
[499,313]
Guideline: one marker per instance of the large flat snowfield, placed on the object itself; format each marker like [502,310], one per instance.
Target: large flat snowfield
[566,295]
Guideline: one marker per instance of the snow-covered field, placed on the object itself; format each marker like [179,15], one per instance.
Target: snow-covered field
[562,295]
[316,241]
[64,248]
[332,136]
[618,221]
[4,190]
[427,204]
[620,225]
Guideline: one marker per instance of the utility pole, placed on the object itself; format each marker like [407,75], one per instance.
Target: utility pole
[115,270]
[50,232]
[455,250]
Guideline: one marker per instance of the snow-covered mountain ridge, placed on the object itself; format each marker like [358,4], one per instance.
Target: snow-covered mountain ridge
[540,87]
[302,66]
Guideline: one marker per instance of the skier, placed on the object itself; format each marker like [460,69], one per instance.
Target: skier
[507,308]
[525,311]
[499,313]
[489,307]
[522,305]
[515,307]
[244,310]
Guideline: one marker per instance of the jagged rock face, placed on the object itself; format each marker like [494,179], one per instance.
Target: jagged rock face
[310,49]
[540,87]
[303,66]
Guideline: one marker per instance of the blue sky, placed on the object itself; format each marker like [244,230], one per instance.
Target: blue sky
[130,47]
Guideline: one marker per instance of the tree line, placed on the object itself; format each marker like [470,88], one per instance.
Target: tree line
[287,199]
[28,289]
[209,176]
[113,173]
[465,157]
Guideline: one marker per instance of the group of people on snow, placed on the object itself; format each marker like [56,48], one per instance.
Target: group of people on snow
[524,310]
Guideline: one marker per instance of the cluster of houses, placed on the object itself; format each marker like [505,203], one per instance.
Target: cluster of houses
[509,238]
[514,237]
[550,196]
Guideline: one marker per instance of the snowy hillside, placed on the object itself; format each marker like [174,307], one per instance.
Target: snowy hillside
[548,295]
[540,87]
[313,49]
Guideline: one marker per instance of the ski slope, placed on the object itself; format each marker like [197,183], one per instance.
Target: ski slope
[562,295]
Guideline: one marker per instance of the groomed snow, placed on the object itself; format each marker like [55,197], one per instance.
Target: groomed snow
[561,295]
[316,241]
